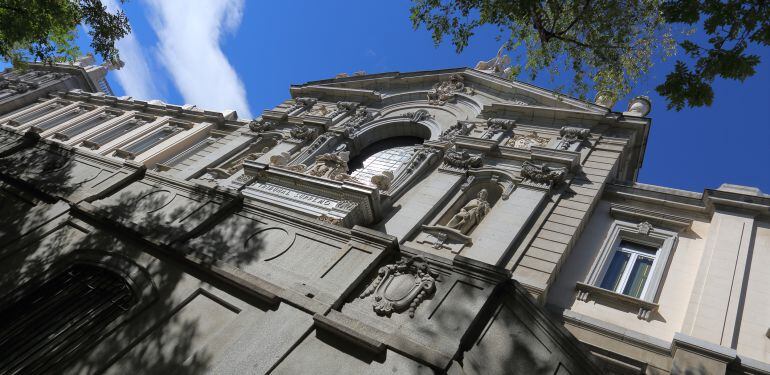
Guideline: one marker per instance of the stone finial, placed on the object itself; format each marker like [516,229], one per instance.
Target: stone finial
[605,99]
[639,106]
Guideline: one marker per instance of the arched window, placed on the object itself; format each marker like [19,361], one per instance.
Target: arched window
[386,155]
[56,322]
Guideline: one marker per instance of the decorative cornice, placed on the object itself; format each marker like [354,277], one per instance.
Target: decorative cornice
[635,214]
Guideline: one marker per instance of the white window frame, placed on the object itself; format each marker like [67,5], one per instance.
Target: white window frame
[633,257]
[662,239]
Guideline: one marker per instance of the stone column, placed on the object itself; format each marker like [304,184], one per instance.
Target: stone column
[717,294]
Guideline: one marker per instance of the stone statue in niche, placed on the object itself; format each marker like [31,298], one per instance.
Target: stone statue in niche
[402,286]
[471,214]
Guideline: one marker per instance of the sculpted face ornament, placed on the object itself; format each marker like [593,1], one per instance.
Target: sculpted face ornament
[402,286]
[471,214]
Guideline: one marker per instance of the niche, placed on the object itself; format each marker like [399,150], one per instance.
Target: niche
[454,226]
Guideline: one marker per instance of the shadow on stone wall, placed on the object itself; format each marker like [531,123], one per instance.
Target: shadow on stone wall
[155,339]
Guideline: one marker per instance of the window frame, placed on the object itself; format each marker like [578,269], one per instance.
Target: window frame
[642,233]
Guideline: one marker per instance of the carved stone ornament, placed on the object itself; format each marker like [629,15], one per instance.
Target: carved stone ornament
[442,92]
[462,159]
[418,116]
[280,159]
[344,108]
[644,228]
[471,214]
[329,219]
[453,131]
[527,141]
[542,174]
[361,117]
[305,103]
[382,181]
[571,135]
[320,110]
[302,133]
[261,125]
[333,166]
[497,125]
[519,99]
[402,286]
[500,65]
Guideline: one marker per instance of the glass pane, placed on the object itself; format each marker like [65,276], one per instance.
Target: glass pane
[114,133]
[42,111]
[644,249]
[638,277]
[387,160]
[60,119]
[615,271]
[151,140]
[86,125]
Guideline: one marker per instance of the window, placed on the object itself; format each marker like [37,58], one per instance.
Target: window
[629,269]
[388,160]
[59,320]
[630,265]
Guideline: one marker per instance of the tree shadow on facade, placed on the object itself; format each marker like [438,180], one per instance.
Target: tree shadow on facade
[155,337]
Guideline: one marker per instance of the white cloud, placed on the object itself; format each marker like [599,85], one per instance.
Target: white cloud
[134,77]
[188,46]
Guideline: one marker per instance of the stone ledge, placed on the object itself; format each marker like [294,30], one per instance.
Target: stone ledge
[646,308]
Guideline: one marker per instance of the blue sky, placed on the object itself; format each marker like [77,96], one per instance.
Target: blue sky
[232,54]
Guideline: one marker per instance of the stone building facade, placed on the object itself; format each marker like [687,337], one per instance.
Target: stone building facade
[431,222]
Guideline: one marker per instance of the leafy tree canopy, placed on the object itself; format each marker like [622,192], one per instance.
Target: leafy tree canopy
[45,30]
[608,45]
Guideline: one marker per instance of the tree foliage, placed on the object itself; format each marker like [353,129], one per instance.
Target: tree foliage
[609,45]
[45,30]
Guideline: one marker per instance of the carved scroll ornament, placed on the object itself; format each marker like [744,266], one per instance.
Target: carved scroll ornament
[402,286]
[302,133]
[305,103]
[453,131]
[462,159]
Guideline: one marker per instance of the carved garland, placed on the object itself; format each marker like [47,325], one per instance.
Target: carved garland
[457,158]
[402,286]
[542,174]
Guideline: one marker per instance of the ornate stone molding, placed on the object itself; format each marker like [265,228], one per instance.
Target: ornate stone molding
[302,133]
[262,125]
[449,134]
[361,117]
[417,116]
[462,159]
[402,286]
[344,108]
[303,102]
[542,175]
[571,135]
[527,141]
[442,92]
[497,125]
[333,166]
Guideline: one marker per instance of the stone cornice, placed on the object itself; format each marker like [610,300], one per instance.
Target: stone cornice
[621,211]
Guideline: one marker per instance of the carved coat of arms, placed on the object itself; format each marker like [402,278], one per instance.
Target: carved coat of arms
[402,286]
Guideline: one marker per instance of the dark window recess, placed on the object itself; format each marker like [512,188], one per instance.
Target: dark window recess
[57,322]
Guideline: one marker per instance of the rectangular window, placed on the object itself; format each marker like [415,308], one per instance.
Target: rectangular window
[148,142]
[86,124]
[37,113]
[114,133]
[629,269]
[60,118]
